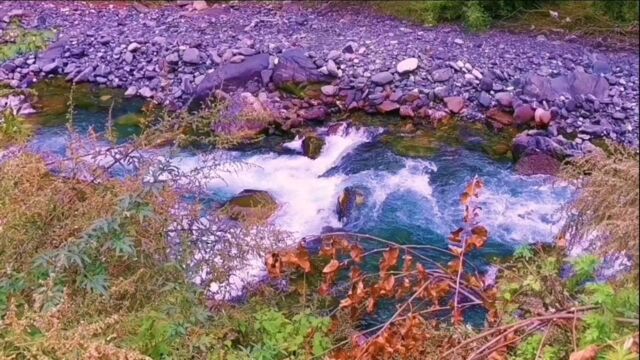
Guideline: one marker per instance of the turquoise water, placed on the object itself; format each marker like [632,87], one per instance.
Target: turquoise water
[407,200]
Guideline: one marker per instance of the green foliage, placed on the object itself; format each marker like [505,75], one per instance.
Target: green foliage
[528,349]
[623,11]
[12,128]
[602,327]
[23,42]
[477,15]
[301,336]
[584,270]
[525,252]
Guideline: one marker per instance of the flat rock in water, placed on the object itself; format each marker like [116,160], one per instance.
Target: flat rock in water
[250,206]
[501,117]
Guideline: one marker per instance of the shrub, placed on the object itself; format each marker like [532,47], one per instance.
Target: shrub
[606,206]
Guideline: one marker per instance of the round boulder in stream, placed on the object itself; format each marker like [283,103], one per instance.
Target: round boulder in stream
[250,207]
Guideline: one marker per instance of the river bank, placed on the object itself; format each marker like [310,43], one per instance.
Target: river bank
[296,65]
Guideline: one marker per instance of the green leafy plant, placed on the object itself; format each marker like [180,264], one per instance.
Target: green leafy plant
[281,338]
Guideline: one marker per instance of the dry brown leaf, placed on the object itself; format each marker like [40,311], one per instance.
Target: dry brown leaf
[389,259]
[331,267]
[356,253]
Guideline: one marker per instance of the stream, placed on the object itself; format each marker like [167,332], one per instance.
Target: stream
[407,200]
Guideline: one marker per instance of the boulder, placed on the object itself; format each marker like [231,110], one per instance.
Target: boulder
[312,146]
[52,54]
[314,113]
[532,143]
[250,207]
[231,76]
[574,84]
[245,117]
[294,67]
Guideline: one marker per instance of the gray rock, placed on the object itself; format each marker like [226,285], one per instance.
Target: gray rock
[333,55]
[265,75]
[146,92]
[382,78]
[131,91]
[329,90]
[245,51]
[84,75]
[51,67]
[133,47]
[619,115]
[407,65]
[504,99]
[295,67]
[128,57]
[191,56]
[484,99]
[172,58]
[442,75]
[332,69]
[441,92]
[231,76]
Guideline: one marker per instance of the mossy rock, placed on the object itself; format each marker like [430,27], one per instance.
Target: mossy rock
[453,132]
[302,91]
[130,119]
[250,207]
[312,146]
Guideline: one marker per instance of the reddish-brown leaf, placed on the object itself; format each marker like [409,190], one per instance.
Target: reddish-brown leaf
[422,273]
[389,259]
[386,285]
[298,258]
[356,253]
[274,265]
[331,267]
[456,236]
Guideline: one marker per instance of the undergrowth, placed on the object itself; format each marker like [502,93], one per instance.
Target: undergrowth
[17,41]
[605,213]
[587,17]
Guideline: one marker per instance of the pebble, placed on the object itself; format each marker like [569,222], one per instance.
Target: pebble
[407,65]
[382,78]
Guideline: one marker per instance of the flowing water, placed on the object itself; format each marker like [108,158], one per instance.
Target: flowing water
[407,200]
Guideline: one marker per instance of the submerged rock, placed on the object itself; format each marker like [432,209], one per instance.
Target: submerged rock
[351,199]
[312,146]
[250,207]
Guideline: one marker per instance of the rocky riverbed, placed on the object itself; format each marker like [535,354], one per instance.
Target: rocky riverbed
[295,65]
